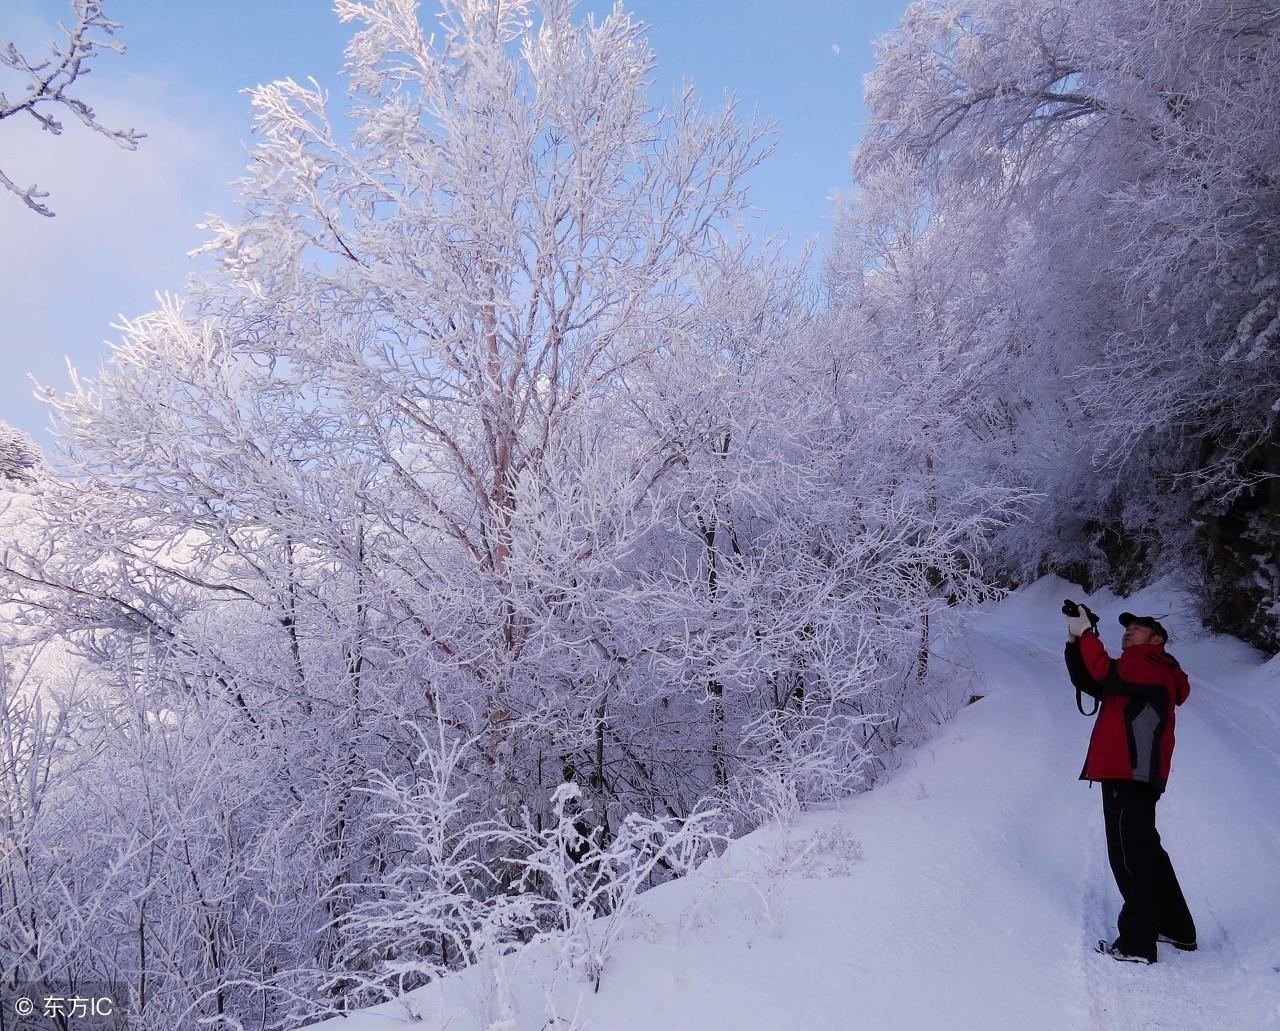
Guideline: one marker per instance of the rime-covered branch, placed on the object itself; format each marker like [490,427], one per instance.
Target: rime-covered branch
[47,81]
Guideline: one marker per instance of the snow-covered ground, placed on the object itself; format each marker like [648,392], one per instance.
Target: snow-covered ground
[966,890]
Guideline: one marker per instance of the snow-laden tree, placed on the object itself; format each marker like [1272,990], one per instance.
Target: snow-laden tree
[921,319]
[19,455]
[510,229]
[1122,154]
[378,468]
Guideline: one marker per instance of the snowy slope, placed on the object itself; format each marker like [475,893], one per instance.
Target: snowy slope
[966,891]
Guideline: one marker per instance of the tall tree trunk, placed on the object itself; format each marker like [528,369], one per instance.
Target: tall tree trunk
[932,575]
[715,689]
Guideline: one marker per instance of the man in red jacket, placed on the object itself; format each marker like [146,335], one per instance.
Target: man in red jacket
[1129,755]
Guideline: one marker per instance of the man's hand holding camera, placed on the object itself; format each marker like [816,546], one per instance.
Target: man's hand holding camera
[1080,618]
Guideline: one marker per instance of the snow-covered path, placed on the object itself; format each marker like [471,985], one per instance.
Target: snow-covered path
[982,879]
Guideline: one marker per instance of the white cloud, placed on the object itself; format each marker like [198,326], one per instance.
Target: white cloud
[835,49]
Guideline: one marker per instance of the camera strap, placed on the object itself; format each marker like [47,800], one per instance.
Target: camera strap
[1080,706]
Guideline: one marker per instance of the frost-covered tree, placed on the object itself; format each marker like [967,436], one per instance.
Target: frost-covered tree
[1121,158]
[19,456]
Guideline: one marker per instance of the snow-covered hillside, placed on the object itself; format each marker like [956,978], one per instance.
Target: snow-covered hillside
[964,892]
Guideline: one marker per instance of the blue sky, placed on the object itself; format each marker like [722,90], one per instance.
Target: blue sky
[126,220]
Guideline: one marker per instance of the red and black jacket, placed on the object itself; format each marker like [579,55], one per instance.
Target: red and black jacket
[1133,735]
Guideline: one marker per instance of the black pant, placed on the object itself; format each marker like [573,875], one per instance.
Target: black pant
[1153,902]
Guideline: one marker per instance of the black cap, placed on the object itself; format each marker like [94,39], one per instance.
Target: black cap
[1148,621]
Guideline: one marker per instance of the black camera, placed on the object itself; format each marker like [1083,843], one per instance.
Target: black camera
[1079,674]
[1071,609]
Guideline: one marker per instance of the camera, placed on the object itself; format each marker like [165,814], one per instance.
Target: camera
[1071,609]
